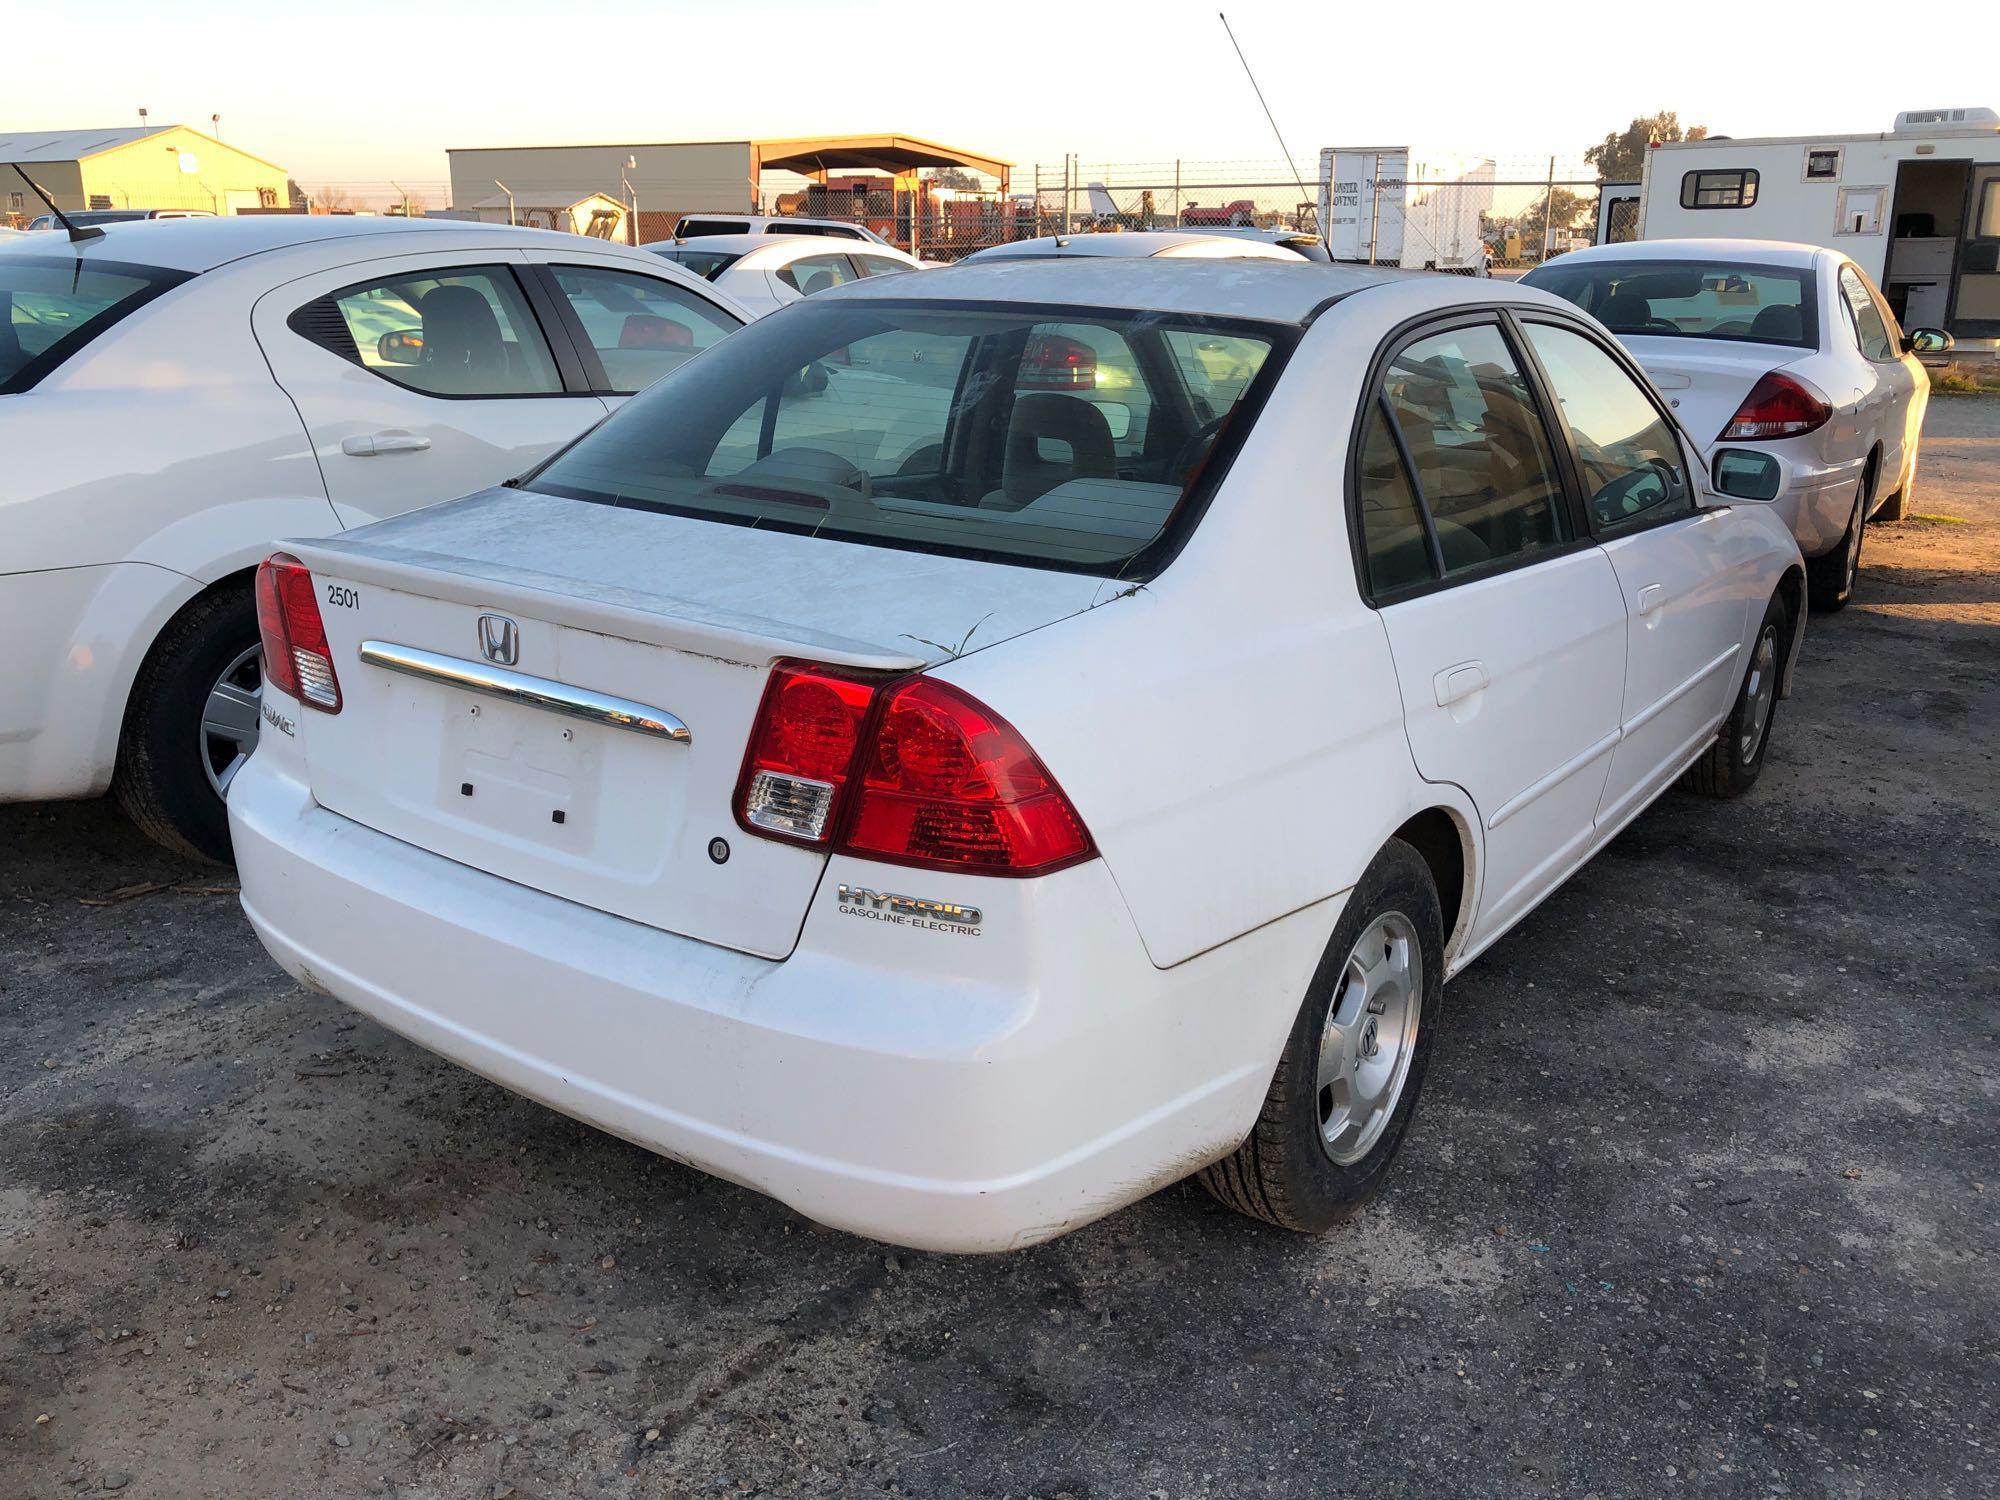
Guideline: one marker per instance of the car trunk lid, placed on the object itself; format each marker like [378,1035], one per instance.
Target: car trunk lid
[558,769]
[1705,382]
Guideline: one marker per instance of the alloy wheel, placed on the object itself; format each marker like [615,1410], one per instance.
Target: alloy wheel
[229,719]
[1369,1037]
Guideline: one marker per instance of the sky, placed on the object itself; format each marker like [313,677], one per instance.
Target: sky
[367,91]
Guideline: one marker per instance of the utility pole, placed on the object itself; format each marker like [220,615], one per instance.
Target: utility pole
[631,193]
[1548,214]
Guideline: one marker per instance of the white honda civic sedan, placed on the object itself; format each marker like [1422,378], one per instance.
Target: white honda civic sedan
[765,272]
[1782,346]
[1065,748]
[174,396]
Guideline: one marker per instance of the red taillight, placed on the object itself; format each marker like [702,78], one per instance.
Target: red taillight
[297,658]
[950,784]
[801,751]
[1054,363]
[911,771]
[1778,406]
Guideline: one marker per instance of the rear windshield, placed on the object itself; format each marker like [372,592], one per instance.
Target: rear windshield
[51,306]
[689,229]
[1689,299]
[707,264]
[1058,437]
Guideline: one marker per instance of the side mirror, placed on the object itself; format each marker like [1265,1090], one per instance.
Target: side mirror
[1744,474]
[1927,341]
[400,348]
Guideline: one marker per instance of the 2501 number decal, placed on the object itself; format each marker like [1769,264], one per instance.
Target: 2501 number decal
[342,596]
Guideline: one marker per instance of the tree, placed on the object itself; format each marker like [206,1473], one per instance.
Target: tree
[332,200]
[955,177]
[1621,155]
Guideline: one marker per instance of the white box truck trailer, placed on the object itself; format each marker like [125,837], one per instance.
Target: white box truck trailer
[1405,206]
[1917,208]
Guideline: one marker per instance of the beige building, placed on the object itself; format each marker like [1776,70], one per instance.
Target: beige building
[156,166]
[671,178]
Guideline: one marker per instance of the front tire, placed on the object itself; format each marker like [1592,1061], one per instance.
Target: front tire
[191,722]
[1347,1084]
[1731,766]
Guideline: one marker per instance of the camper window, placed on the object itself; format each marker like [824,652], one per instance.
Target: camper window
[1822,164]
[1986,222]
[1731,189]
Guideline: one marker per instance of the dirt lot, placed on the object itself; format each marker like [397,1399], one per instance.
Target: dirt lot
[1703,1201]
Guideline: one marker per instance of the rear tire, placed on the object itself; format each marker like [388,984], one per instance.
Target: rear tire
[1731,766]
[1830,579]
[1347,1084]
[169,765]
[1898,504]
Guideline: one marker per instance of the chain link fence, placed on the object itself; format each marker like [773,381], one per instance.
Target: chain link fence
[1465,214]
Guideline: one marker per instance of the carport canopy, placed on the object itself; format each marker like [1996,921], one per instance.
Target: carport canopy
[898,155]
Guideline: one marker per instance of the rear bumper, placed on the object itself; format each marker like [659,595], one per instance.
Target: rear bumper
[932,1089]
[1817,499]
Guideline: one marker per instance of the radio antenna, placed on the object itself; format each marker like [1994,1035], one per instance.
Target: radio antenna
[1290,165]
[87,232]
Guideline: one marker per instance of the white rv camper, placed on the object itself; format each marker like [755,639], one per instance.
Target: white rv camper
[1918,209]
[1401,206]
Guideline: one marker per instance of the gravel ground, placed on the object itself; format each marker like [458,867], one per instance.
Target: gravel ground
[1702,1200]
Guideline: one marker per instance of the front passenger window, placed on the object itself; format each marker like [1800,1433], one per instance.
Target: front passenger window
[1484,468]
[640,326]
[1632,464]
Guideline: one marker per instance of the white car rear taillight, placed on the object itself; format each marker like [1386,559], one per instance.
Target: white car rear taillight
[906,770]
[297,658]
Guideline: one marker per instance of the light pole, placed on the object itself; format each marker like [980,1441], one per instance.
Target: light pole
[631,193]
[510,199]
[215,125]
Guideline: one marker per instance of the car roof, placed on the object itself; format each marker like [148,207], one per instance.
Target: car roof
[1729,252]
[1283,289]
[1134,245]
[205,244]
[778,244]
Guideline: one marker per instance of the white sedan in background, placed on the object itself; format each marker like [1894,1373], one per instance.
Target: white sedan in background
[764,272]
[958,816]
[1786,347]
[175,395]
[1140,244]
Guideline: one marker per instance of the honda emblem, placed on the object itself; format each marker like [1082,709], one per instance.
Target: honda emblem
[499,640]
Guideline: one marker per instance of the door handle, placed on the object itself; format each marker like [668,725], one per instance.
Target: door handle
[1461,681]
[373,443]
[1651,597]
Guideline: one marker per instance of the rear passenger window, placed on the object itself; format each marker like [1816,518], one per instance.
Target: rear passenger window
[1872,332]
[1632,464]
[640,327]
[815,273]
[1483,466]
[1392,528]
[462,331]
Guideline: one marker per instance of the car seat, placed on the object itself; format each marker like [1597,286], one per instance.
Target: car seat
[1071,421]
[1779,323]
[464,352]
